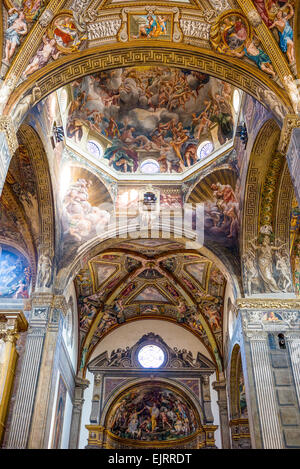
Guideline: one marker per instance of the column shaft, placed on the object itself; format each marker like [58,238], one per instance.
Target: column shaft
[266,399]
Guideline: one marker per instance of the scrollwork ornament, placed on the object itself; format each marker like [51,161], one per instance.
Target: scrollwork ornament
[209,16]
[220,5]
[46,18]
[254,18]
[177,33]
[123,33]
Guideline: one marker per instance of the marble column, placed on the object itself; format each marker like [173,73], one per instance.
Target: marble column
[265,392]
[10,326]
[80,386]
[25,398]
[220,387]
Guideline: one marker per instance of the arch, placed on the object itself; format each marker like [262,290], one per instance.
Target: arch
[164,386]
[264,146]
[141,381]
[188,296]
[79,64]
[100,243]
[28,137]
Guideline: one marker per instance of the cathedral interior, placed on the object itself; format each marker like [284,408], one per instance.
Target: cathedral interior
[149,224]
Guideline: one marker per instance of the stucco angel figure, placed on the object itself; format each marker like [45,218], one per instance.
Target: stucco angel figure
[265,261]
[251,271]
[25,103]
[282,266]
[44,270]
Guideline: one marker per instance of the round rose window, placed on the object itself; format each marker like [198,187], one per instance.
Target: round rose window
[151,356]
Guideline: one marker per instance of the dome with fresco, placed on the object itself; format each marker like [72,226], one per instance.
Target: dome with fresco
[177,118]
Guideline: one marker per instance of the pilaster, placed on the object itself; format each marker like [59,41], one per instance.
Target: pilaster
[11,324]
[25,398]
[44,401]
[80,386]
[271,331]
[97,391]
[220,387]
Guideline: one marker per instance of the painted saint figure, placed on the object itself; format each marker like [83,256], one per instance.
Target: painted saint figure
[17,27]
[258,56]
[285,31]
[47,51]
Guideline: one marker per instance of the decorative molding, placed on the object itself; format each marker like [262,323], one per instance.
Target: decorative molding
[46,18]
[63,71]
[174,359]
[291,121]
[268,303]
[7,126]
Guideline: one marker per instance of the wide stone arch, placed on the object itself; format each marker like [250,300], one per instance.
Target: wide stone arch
[76,65]
[67,274]
[102,242]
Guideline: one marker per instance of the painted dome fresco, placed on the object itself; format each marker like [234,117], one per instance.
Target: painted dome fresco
[148,119]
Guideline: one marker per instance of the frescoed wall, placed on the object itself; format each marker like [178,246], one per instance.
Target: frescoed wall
[152,413]
[14,274]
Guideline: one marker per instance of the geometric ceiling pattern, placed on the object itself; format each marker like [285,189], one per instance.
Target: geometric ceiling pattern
[149,279]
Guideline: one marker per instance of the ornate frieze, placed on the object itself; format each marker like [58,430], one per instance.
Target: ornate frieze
[268,303]
[6,126]
[107,28]
[193,28]
[270,320]
[174,359]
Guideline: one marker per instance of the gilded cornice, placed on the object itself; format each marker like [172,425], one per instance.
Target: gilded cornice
[14,321]
[138,53]
[268,303]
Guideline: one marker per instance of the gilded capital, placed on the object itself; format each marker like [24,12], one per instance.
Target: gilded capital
[291,121]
